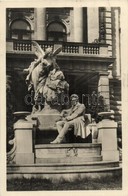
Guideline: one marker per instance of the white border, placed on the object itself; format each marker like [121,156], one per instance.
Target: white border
[124,54]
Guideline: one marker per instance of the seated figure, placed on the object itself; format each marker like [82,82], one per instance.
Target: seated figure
[73,117]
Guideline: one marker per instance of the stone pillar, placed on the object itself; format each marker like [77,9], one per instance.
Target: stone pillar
[93,24]
[107,136]
[78,24]
[103,87]
[40,21]
[24,142]
[116,42]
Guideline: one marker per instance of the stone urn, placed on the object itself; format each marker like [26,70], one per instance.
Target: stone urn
[107,114]
[21,116]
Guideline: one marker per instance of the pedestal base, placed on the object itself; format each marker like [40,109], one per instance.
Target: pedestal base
[24,158]
[108,137]
[46,120]
[110,155]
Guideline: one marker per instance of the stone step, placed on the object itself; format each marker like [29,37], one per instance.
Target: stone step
[71,159]
[62,167]
[72,145]
[66,152]
[60,153]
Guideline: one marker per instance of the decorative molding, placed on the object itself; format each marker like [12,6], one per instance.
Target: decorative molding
[11,154]
[12,16]
[102,28]
[63,18]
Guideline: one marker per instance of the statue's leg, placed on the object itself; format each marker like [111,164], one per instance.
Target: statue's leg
[60,125]
[63,131]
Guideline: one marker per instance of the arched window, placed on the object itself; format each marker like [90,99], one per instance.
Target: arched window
[20,29]
[56,31]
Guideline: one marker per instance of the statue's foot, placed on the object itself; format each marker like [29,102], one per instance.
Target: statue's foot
[56,141]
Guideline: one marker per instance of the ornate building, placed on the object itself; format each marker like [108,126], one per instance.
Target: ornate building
[90,40]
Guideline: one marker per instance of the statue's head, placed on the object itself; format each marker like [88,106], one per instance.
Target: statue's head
[74,98]
[48,52]
[45,62]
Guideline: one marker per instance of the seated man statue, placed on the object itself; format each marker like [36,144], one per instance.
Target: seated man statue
[74,117]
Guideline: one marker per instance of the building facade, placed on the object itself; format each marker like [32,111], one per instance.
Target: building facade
[90,57]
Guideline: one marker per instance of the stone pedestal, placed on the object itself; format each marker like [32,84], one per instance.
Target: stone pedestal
[24,142]
[108,137]
[46,121]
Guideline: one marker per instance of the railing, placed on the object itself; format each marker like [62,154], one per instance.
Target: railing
[27,45]
[22,46]
[91,49]
[70,48]
[67,47]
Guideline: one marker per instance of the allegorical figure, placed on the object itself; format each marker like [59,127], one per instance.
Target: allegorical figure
[45,77]
[73,117]
[55,83]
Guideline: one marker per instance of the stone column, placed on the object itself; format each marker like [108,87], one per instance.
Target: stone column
[116,42]
[40,21]
[93,24]
[103,87]
[78,24]
[107,136]
[24,142]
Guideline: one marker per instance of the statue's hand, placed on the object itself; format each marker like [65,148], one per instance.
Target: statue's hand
[25,70]
[68,118]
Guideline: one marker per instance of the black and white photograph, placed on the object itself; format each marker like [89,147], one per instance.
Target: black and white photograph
[63,73]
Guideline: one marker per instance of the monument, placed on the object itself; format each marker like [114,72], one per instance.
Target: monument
[47,83]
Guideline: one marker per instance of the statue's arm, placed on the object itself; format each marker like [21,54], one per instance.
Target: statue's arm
[77,113]
[65,113]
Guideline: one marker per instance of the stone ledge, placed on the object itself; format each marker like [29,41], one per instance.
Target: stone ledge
[51,164]
[66,171]
[73,145]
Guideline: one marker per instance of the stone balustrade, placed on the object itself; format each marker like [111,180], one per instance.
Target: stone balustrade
[68,48]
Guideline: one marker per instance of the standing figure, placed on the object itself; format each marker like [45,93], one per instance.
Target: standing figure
[55,84]
[71,118]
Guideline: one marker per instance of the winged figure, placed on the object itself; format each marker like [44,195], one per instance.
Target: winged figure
[40,71]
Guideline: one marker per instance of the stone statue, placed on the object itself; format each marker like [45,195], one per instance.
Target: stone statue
[71,118]
[45,77]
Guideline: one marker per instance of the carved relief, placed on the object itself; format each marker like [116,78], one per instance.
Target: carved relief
[26,14]
[61,15]
[71,152]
